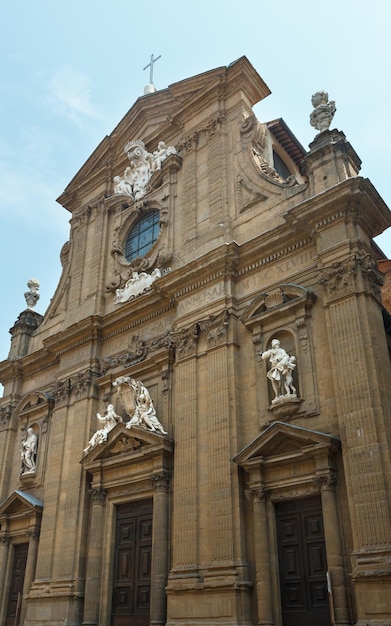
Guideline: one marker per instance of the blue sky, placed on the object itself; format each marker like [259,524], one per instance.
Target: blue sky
[71,70]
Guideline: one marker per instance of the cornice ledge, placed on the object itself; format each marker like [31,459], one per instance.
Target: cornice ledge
[88,329]
[354,198]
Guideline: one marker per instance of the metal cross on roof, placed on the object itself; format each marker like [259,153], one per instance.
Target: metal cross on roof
[151,66]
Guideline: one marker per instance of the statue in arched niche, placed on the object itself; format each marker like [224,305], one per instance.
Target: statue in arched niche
[29,451]
[137,402]
[281,369]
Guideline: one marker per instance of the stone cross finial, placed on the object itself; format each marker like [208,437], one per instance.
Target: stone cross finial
[323,113]
[32,296]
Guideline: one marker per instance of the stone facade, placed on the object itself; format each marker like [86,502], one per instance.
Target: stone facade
[192,250]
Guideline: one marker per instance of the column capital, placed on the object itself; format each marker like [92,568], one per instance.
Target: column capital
[161,482]
[98,496]
[33,533]
[257,494]
[327,481]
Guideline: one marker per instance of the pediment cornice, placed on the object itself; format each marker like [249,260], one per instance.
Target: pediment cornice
[282,443]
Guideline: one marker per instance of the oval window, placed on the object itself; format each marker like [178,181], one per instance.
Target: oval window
[143,235]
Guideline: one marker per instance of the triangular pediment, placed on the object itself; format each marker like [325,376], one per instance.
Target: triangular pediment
[130,441]
[20,502]
[284,440]
[161,115]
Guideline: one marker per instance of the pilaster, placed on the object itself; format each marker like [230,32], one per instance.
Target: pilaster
[160,564]
[262,557]
[94,559]
[361,368]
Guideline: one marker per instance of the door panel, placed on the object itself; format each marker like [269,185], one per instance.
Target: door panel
[132,564]
[302,563]
[17,580]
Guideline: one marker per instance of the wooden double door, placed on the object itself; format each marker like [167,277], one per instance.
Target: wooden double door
[132,564]
[302,563]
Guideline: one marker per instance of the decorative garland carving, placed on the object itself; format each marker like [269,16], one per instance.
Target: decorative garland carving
[137,351]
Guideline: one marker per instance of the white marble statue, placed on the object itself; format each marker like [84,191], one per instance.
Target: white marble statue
[135,285]
[323,113]
[137,402]
[161,154]
[122,186]
[280,372]
[142,165]
[33,295]
[109,420]
[29,452]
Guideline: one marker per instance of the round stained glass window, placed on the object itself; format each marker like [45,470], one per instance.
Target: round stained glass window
[142,236]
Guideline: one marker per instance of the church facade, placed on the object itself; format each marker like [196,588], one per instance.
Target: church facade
[197,431]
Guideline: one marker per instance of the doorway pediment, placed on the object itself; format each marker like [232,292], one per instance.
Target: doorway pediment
[129,454]
[20,502]
[284,442]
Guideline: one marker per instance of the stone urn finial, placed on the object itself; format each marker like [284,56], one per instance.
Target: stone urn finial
[33,295]
[323,113]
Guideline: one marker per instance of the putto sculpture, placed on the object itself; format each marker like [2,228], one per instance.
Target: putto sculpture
[137,402]
[323,113]
[109,420]
[142,165]
[280,372]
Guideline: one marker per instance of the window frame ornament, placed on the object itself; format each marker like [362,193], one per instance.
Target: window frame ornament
[156,257]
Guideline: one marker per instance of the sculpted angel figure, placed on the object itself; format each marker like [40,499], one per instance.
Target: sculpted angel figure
[109,420]
[280,372]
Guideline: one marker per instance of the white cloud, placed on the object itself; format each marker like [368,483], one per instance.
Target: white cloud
[71,90]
